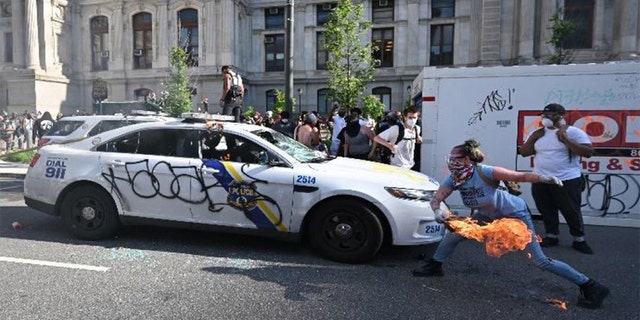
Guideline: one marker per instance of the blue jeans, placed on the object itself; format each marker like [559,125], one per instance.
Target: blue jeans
[538,258]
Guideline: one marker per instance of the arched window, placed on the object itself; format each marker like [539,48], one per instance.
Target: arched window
[188,34]
[384,94]
[142,41]
[99,43]
[143,94]
[270,99]
[324,106]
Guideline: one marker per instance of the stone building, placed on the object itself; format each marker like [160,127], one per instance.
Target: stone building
[53,51]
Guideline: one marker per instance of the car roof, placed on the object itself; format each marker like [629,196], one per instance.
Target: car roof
[174,123]
[114,117]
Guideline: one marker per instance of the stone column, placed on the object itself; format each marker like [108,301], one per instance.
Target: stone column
[226,15]
[628,37]
[17,27]
[32,53]
[490,33]
[526,22]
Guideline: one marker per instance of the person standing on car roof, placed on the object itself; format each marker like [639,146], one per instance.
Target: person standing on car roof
[232,93]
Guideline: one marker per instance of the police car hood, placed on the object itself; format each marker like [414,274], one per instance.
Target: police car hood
[374,172]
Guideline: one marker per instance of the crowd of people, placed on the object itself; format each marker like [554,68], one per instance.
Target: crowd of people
[22,131]
[391,139]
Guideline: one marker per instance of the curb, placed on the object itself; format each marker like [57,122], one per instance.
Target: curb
[12,175]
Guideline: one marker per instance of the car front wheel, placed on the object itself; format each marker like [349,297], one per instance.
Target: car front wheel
[345,231]
[89,213]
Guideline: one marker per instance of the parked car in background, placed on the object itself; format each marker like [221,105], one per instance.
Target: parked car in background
[79,127]
[232,177]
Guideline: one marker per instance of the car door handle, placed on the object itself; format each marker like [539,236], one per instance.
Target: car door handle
[115,163]
[209,170]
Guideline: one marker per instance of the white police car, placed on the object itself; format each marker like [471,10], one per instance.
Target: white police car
[79,127]
[231,177]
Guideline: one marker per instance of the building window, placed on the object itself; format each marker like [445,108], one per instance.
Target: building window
[99,43]
[382,11]
[383,40]
[188,35]
[384,94]
[442,8]
[142,41]
[270,99]
[441,45]
[142,94]
[274,52]
[274,18]
[580,13]
[324,106]
[8,47]
[322,13]
[322,55]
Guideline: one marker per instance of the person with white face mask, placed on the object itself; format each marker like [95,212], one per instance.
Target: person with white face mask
[402,145]
[557,149]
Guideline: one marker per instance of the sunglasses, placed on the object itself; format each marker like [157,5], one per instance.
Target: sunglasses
[451,159]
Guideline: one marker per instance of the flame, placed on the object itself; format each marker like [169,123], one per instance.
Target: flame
[559,303]
[500,236]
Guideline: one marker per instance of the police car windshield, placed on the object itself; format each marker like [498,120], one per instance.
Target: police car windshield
[292,147]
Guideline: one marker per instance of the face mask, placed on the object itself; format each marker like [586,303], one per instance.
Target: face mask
[546,122]
[460,169]
[411,122]
[285,120]
[562,122]
[341,114]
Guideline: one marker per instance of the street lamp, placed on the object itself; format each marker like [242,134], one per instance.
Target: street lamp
[300,98]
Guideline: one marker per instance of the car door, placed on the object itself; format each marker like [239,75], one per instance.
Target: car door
[237,190]
[146,172]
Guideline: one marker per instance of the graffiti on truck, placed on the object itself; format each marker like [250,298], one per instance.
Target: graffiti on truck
[604,192]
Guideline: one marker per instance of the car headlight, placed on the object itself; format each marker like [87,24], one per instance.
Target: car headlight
[410,194]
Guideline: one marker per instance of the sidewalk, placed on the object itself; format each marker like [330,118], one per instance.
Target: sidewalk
[13,170]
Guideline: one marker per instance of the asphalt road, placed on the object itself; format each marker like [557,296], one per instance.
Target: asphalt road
[152,273]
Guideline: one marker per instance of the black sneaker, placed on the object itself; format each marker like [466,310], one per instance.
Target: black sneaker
[549,242]
[592,294]
[582,246]
[431,269]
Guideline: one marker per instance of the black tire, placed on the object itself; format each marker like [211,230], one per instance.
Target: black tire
[345,231]
[89,213]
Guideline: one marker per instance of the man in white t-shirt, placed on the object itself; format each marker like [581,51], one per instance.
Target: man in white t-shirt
[402,151]
[557,148]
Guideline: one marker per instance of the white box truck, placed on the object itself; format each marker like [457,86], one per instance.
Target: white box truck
[500,106]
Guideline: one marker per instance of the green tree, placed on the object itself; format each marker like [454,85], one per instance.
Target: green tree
[372,107]
[561,30]
[351,63]
[280,102]
[178,95]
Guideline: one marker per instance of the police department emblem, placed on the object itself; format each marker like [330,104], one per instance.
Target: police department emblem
[242,195]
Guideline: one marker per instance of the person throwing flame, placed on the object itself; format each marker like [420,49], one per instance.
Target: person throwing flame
[490,204]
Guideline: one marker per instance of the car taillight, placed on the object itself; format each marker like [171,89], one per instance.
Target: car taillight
[34,160]
[43,141]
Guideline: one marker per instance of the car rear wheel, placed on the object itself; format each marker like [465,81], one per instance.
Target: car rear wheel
[89,213]
[345,231]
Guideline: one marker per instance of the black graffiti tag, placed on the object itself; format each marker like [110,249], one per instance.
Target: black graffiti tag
[493,102]
[145,183]
[604,191]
